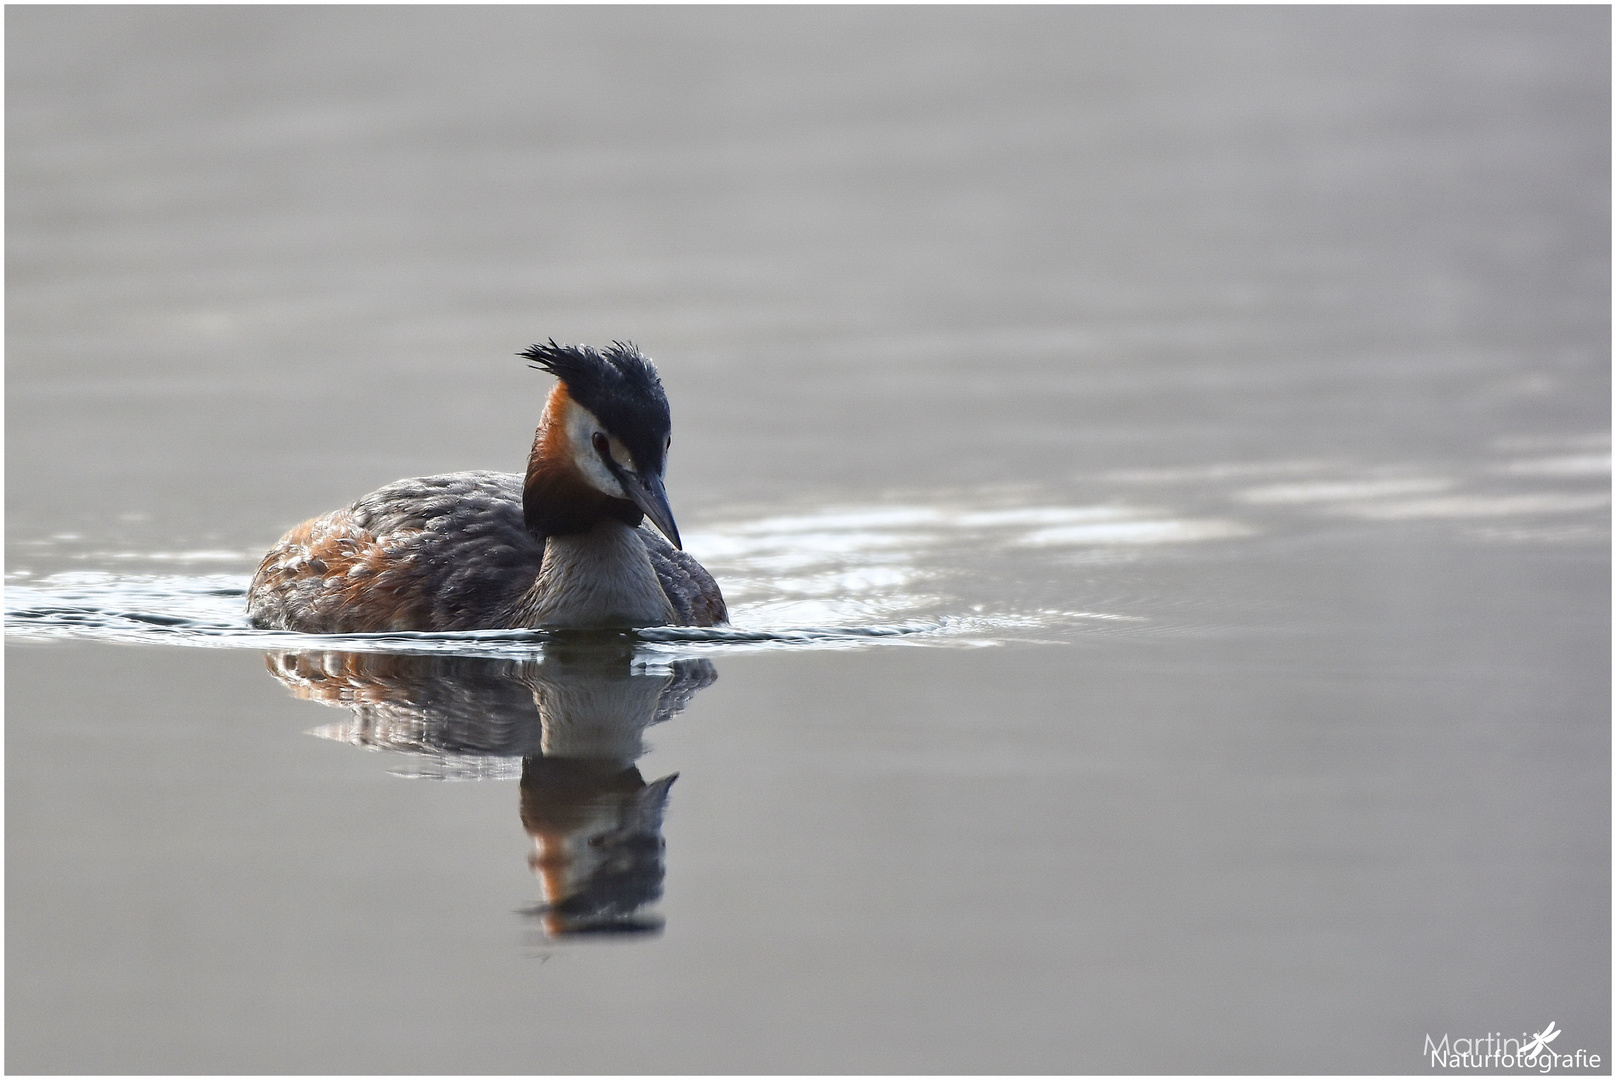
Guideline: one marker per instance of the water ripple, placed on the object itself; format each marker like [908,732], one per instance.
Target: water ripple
[972,570]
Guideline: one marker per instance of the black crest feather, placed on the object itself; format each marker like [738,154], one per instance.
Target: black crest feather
[619,385]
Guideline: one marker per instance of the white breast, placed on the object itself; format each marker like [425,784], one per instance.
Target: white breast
[599,578]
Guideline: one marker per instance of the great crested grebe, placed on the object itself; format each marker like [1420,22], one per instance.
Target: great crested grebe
[561,548]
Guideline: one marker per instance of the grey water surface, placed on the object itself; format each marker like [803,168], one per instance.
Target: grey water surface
[1158,461]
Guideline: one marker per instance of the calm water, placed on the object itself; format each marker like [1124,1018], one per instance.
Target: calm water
[1158,461]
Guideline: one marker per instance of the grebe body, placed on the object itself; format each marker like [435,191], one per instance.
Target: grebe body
[561,547]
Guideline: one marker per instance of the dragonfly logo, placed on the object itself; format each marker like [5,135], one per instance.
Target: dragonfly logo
[1534,1049]
[1495,1052]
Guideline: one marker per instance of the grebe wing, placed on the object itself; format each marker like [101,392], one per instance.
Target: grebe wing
[447,552]
[692,590]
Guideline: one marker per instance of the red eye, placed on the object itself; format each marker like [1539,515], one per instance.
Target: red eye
[599,442]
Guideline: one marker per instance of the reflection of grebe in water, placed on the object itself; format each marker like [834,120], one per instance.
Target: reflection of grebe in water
[597,844]
[575,718]
[562,547]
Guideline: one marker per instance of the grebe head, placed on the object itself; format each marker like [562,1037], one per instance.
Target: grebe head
[608,420]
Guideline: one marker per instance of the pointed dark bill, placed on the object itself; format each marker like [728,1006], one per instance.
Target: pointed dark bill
[647,493]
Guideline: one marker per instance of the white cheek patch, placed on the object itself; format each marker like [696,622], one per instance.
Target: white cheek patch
[619,453]
[581,427]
